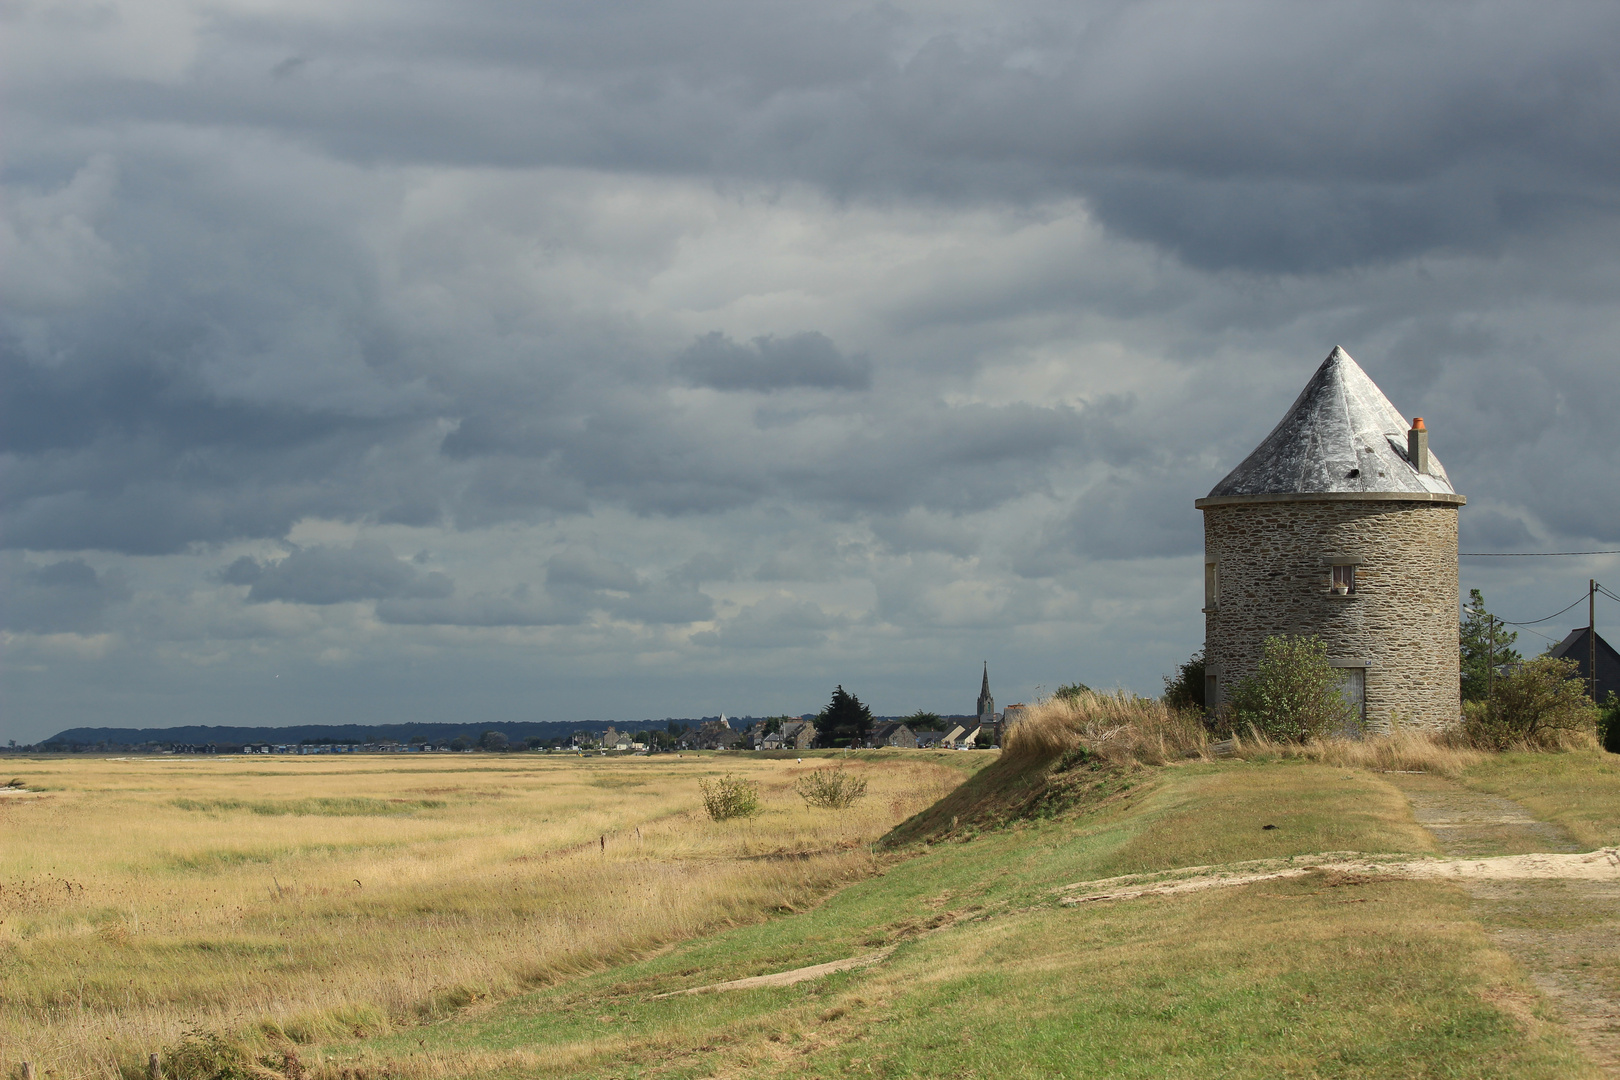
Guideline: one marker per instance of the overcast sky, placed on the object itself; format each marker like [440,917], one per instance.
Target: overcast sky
[484,361]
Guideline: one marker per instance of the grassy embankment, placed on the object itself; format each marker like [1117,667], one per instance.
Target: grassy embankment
[142,897]
[991,975]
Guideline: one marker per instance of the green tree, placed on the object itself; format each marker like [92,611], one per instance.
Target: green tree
[1293,695]
[923,720]
[1475,639]
[1185,689]
[845,721]
[1071,691]
[1537,704]
[493,741]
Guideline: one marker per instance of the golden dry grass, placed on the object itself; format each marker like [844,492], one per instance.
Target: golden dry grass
[1119,726]
[141,897]
[1127,729]
[1399,751]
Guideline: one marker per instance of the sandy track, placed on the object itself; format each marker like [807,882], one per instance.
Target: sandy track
[786,978]
[1602,865]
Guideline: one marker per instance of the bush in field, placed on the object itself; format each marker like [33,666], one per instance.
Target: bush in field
[1540,704]
[1185,689]
[1293,696]
[831,789]
[1608,726]
[730,797]
[206,1055]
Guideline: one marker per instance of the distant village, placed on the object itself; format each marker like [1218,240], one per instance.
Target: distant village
[981,729]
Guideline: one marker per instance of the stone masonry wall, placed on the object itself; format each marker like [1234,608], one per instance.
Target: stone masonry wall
[1275,577]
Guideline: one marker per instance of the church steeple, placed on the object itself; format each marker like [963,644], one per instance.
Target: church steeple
[987,704]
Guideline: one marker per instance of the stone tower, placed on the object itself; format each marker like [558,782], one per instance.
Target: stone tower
[987,704]
[1343,525]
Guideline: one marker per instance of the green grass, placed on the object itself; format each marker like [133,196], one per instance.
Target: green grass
[1313,977]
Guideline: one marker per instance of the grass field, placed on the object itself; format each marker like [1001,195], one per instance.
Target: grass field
[143,897]
[493,932]
[992,977]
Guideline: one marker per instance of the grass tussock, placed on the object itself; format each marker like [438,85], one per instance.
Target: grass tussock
[1128,730]
[1118,727]
[1077,750]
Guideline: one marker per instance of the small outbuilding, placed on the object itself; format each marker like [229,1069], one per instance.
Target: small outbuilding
[1578,647]
[1340,524]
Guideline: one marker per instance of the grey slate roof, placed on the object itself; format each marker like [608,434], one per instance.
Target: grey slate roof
[1342,436]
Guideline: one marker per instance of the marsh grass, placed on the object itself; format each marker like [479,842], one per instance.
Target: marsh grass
[316,807]
[146,897]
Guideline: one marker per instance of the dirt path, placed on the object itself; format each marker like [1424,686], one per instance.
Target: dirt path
[786,978]
[1564,932]
[1601,866]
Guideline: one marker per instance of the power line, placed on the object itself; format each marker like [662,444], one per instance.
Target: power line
[1529,554]
[1549,618]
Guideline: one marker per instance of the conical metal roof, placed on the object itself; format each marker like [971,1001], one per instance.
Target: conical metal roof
[1343,439]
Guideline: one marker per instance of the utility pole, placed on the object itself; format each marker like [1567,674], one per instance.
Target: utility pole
[1490,664]
[1591,632]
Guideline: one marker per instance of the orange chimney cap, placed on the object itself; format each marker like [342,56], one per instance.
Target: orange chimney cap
[1417,424]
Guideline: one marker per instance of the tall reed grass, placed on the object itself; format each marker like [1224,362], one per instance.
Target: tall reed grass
[1117,726]
[1126,729]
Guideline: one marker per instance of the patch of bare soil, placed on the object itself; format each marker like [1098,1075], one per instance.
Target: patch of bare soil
[786,978]
[1565,932]
[1600,866]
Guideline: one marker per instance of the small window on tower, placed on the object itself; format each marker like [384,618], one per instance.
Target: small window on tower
[1344,580]
[1212,585]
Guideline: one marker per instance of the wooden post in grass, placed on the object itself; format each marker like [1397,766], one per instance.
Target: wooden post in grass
[153,1070]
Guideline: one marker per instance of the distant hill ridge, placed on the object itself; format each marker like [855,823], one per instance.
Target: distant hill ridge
[342,733]
[374,733]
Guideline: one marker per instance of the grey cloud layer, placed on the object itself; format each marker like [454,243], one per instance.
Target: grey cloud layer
[869,335]
[1262,135]
[367,570]
[68,596]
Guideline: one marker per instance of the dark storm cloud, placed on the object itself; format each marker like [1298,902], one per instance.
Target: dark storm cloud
[641,299]
[114,434]
[318,574]
[1262,137]
[1268,136]
[771,363]
[61,597]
